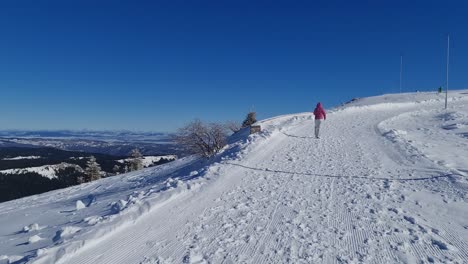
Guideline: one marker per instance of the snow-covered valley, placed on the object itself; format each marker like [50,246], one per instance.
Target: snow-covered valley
[385,183]
[48,171]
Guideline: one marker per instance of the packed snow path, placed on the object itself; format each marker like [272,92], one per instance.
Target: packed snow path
[359,194]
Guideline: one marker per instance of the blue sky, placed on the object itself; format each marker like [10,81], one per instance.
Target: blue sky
[154,65]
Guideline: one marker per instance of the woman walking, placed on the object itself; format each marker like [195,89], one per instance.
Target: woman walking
[320,115]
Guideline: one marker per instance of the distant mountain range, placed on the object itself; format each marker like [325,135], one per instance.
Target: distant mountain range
[89,134]
[118,143]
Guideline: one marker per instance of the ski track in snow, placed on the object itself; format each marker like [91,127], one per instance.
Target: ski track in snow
[360,194]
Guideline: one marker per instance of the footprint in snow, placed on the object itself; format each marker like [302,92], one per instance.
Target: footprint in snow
[410,219]
[441,245]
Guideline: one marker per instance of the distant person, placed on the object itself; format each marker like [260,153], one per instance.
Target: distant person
[320,115]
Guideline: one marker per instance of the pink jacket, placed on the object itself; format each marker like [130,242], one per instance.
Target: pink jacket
[319,112]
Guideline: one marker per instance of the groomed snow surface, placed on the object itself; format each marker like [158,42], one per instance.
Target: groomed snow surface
[385,183]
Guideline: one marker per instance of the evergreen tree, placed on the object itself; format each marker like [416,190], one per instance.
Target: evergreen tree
[93,170]
[80,179]
[116,169]
[137,160]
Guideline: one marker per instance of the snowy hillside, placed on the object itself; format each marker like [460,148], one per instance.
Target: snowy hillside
[22,158]
[148,161]
[48,171]
[386,183]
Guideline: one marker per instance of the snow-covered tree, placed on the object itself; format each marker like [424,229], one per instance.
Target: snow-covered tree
[93,170]
[81,179]
[137,160]
[116,169]
[203,139]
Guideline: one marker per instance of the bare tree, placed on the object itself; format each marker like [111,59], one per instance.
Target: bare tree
[93,170]
[218,136]
[233,126]
[202,139]
[137,160]
[250,119]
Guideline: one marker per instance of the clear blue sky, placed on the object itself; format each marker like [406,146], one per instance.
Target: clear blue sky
[154,65]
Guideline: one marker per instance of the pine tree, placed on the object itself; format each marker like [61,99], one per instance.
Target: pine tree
[137,162]
[81,179]
[93,170]
[116,169]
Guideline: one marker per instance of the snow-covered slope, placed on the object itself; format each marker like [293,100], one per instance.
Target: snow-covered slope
[386,183]
[22,158]
[148,161]
[48,171]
